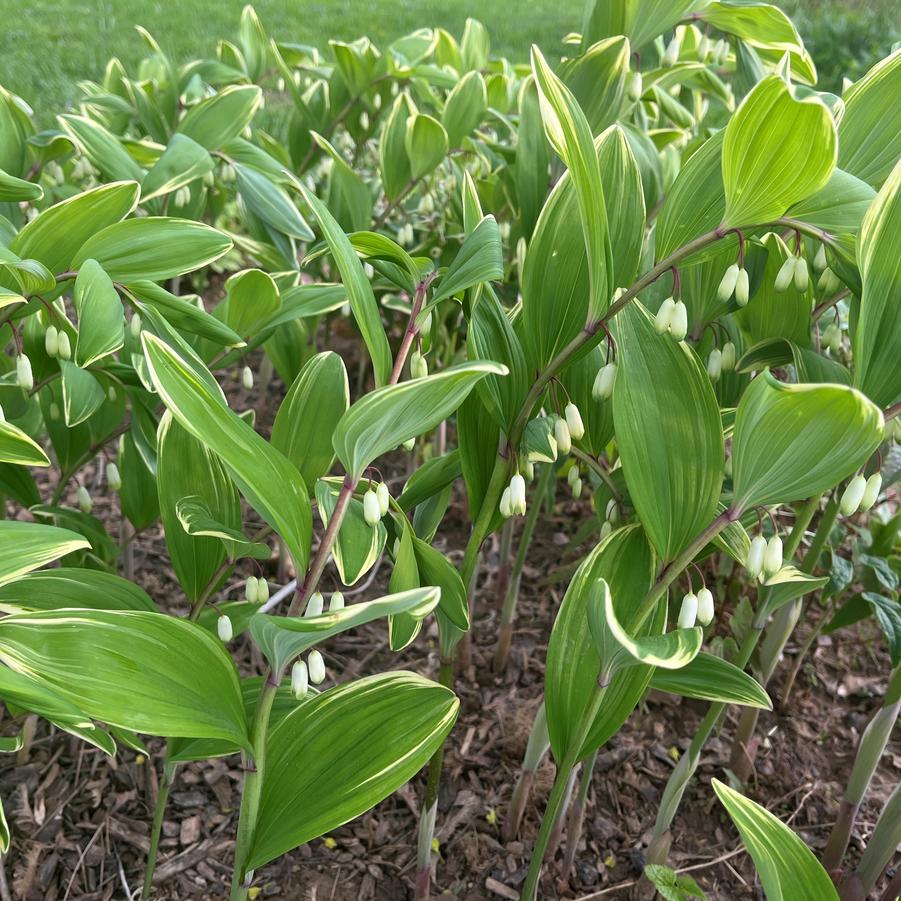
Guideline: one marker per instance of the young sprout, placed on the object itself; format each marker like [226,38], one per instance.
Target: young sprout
[871,493]
[715,364]
[602,389]
[852,496]
[336,602]
[300,680]
[679,324]
[574,421]
[727,283]
[113,478]
[316,665]
[756,553]
[24,375]
[688,612]
[314,605]
[247,378]
[772,559]
[85,504]
[562,436]
[705,606]
[51,341]
[728,358]
[664,317]
[224,629]
[372,510]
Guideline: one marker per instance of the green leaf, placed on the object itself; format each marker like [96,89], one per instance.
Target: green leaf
[597,79]
[197,520]
[532,158]
[639,20]
[869,131]
[217,119]
[569,134]
[318,776]
[16,447]
[101,147]
[436,569]
[25,546]
[888,615]
[785,865]
[147,672]
[57,233]
[794,441]
[56,589]
[83,395]
[320,395]
[183,161]
[480,259]
[269,481]
[464,108]
[153,248]
[349,198]
[710,678]
[359,291]
[101,321]
[426,144]
[388,416]
[281,638]
[14,190]
[394,164]
[269,201]
[251,297]
[877,334]
[776,151]
[669,432]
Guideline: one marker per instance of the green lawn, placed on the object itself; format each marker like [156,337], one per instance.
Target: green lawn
[46,46]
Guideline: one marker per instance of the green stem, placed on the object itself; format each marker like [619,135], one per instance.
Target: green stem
[577,817]
[159,810]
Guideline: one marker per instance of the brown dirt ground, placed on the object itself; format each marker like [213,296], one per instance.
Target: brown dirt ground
[80,821]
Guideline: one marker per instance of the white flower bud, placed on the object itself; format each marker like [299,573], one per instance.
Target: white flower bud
[419,369]
[832,337]
[505,505]
[606,529]
[381,492]
[113,478]
[785,275]
[574,421]
[53,410]
[364,120]
[300,680]
[688,612]
[829,282]
[372,511]
[853,495]
[518,494]
[314,605]
[705,607]
[247,378]
[572,475]
[611,513]
[602,389]
[577,488]
[819,261]
[336,602]
[24,375]
[224,628]
[111,394]
[671,54]
[754,563]
[703,48]
[409,444]
[182,196]
[562,436]
[679,326]
[727,283]
[262,591]
[870,495]
[715,364]
[83,497]
[250,590]
[528,469]
[772,559]
[135,326]
[742,288]
[635,87]
[51,341]
[727,361]
[316,666]
[800,274]
[64,347]
[664,316]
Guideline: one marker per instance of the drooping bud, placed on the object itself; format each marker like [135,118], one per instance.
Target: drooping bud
[111,394]
[703,48]
[742,288]
[364,120]
[715,364]
[574,421]
[528,469]
[635,87]
[250,590]
[772,559]
[262,591]
[24,375]
[705,606]
[83,497]
[756,553]
[727,283]
[606,529]
[336,602]
[300,680]
[602,389]
[688,612]
[316,666]
[664,316]
[829,282]
[832,337]
[870,495]
[728,358]
[409,444]
[819,261]
[671,54]
[113,478]
[611,513]
[518,495]
[419,369]
[135,326]
[372,511]
[51,341]
[384,497]
[63,346]
[314,605]
[577,488]
[785,275]
[505,505]
[801,274]
[224,628]
[247,378]
[853,495]
[679,325]
[562,436]
[572,475]
[54,410]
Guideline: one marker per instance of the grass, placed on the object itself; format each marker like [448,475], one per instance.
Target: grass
[47,46]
